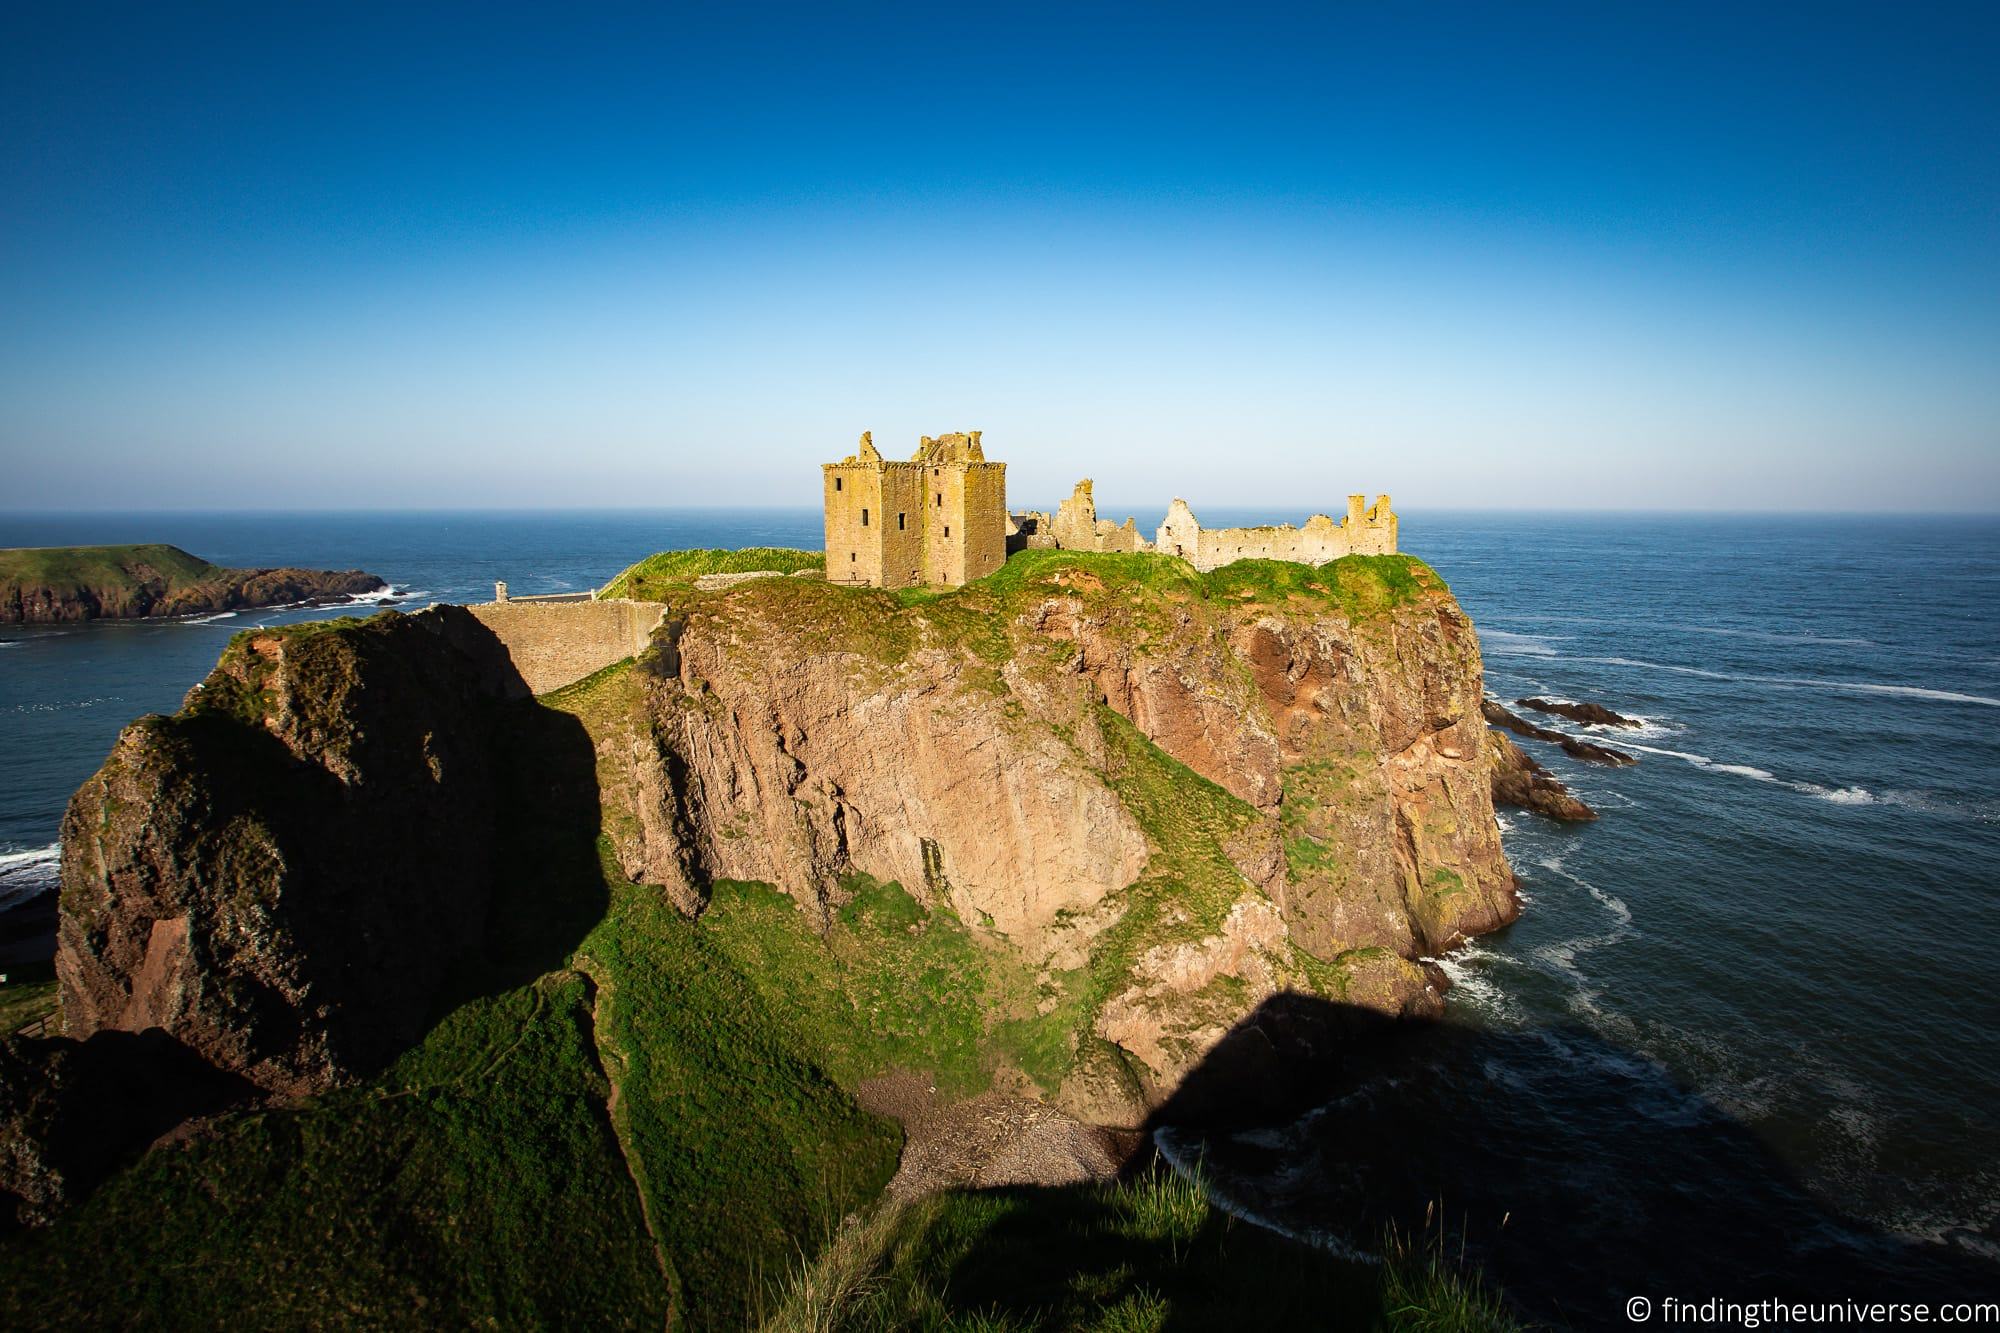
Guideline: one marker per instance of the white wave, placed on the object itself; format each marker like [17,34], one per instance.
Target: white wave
[1470,968]
[1176,1156]
[28,874]
[1511,644]
[385,594]
[1789,682]
[1835,795]
[209,620]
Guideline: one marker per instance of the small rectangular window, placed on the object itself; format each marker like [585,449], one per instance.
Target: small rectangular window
[899,523]
[947,529]
[836,483]
[864,518]
[850,557]
[940,501]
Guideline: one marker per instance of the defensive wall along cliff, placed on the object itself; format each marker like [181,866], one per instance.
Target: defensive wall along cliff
[557,643]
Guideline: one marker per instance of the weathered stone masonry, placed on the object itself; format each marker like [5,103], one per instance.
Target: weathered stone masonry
[554,644]
[1075,526]
[938,519]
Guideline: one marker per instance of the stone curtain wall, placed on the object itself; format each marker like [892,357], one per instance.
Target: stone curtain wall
[1366,530]
[554,644]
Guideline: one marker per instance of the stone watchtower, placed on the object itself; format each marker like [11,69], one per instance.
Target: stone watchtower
[940,518]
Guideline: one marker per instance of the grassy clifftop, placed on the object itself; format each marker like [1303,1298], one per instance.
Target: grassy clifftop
[655,577]
[82,567]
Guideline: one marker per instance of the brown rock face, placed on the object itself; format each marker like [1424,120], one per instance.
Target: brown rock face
[1194,791]
[1520,781]
[282,875]
[794,733]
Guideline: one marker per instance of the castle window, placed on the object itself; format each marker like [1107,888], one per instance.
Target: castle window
[836,483]
[864,518]
[899,522]
[947,529]
[940,500]
[850,557]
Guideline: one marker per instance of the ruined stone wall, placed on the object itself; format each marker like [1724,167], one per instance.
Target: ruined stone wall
[1030,530]
[1078,528]
[553,644]
[1366,530]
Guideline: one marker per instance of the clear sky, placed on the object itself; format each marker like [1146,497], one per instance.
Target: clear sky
[1509,256]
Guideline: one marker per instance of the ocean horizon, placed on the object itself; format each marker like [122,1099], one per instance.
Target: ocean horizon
[1749,936]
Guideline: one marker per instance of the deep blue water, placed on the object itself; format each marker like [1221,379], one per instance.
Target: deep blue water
[1745,1025]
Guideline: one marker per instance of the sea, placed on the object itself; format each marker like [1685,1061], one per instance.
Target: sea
[1743,1042]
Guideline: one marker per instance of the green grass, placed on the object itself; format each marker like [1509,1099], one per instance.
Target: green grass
[1150,1254]
[477,1182]
[653,578]
[30,995]
[617,1137]
[74,567]
[742,1145]
[893,985]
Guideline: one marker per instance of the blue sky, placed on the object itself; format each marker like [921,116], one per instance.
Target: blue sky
[1590,256]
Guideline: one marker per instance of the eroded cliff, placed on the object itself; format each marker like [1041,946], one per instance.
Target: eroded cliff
[1152,797]
[1122,801]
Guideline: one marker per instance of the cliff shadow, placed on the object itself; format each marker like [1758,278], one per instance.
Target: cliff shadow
[1572,1173]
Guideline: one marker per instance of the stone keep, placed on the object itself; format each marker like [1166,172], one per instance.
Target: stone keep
[939,519]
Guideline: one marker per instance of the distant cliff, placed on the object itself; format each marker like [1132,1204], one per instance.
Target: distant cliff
[47,585]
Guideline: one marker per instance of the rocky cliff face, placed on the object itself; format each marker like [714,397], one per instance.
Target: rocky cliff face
[1155,798]
[53,585]
[1204,789]
[282,875]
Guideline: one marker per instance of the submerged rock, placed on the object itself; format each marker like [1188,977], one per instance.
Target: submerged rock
[1576,747]
[1520,781]
[1592,714]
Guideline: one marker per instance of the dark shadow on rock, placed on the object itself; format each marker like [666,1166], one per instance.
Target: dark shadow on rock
[1574,1174]
[417,837]
[72,1112]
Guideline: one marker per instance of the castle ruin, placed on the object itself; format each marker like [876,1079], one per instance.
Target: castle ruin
[1366,530]
[938,519]
[941,519]
[1075,526]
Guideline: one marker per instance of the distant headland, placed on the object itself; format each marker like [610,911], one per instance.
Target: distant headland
[54,584]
